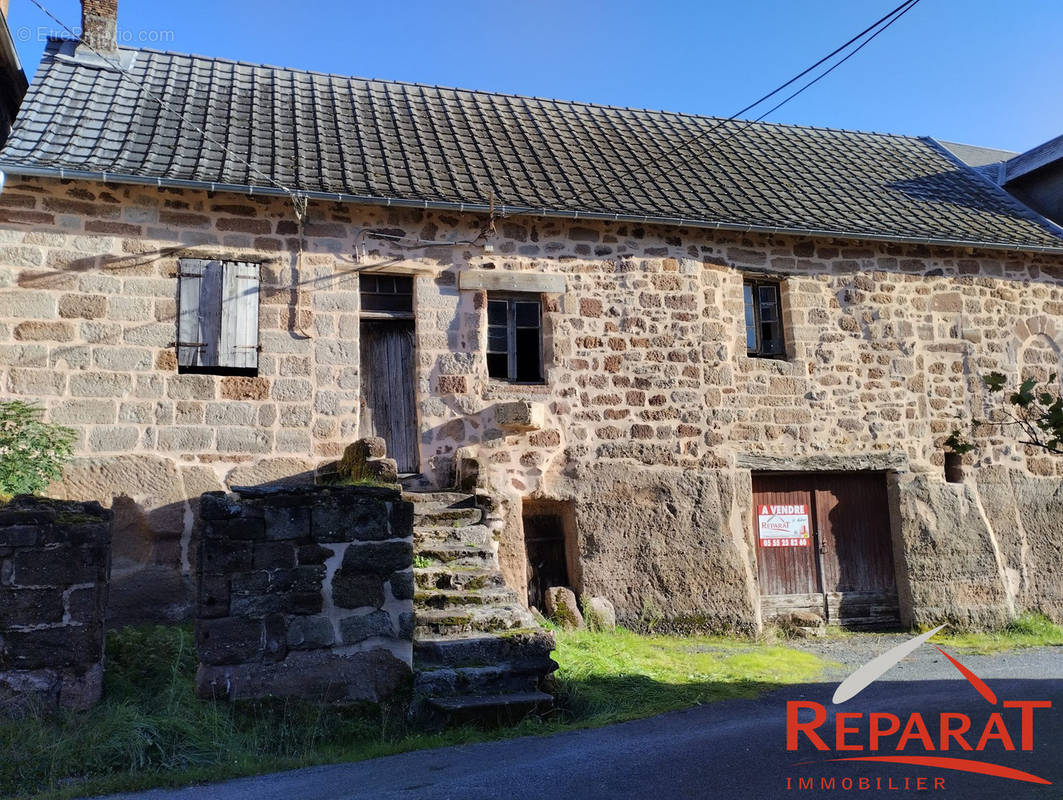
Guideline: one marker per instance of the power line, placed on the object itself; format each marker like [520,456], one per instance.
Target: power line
[783,102]
[888,19]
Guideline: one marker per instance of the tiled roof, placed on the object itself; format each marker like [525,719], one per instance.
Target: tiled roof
[975,156]
[370,140]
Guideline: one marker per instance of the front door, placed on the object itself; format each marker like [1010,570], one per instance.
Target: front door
[388,408]
[823,544]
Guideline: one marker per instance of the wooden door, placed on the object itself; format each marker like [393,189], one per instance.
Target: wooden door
[853,517]
[544,543]
[846,569]
[785,570]
[388,405]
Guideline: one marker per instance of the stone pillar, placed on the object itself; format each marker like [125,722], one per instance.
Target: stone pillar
[305,592]
[54,565]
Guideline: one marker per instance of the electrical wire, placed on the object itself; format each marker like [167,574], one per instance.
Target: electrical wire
[747,123]
[299,202]
[885,22]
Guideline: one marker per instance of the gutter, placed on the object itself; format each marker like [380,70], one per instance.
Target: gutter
[502,211]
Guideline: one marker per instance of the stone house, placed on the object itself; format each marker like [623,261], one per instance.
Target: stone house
[706,368]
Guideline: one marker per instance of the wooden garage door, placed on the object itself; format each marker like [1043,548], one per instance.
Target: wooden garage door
[847,564]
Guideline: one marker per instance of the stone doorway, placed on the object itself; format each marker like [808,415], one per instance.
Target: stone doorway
[549,547]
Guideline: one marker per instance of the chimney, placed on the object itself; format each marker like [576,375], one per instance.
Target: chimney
[99,20]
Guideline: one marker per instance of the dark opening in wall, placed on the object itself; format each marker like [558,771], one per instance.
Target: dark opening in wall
[953,468]
[550,547]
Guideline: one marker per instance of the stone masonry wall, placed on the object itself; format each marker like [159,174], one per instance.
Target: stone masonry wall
[305,592]
[53,588]
[644,352]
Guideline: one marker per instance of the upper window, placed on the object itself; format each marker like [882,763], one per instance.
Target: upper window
[392,294]
[515,339]
[217,317]
[764,335]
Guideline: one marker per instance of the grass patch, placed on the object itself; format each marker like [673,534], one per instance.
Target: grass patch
[151,731]
[1028,630]
[614,676]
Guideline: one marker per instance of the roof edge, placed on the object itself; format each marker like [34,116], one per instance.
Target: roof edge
[485,208]
[1046,223]
[1033,159]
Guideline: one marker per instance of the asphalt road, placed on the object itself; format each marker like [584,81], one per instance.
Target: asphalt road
[733,749]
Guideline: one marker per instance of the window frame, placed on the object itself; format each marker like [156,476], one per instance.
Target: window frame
[511,299]
[754,286]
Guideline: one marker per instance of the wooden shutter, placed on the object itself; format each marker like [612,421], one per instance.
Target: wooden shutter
[199,312]
[238,343]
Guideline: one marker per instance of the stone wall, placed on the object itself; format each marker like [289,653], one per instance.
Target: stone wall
[305,592]
[978,553]
[666,545]
[644,353]
[53,588]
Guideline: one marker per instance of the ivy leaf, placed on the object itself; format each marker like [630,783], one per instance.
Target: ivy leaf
[995,381]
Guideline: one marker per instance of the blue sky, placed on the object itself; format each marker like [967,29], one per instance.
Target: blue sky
[976,71]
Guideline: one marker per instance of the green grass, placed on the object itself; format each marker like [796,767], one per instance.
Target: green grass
[609,677]
[1028,630]
[150,730]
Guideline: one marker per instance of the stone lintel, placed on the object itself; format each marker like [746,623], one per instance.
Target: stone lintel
[857,462]
[505,281]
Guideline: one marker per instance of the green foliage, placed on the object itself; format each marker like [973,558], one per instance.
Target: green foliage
[32,452]
[1028,630]
[1034,411]
[151,730]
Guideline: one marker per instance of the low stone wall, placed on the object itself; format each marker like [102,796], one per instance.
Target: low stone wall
[305,592]
[54,563]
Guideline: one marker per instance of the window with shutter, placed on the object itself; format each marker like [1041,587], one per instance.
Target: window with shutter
[217,317]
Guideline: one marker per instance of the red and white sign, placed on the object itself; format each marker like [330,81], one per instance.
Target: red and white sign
[783,525]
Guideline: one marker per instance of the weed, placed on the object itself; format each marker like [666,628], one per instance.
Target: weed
[1028,630]
[151,730]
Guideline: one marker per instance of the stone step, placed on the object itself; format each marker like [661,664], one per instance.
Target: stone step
[502,708]
[454,555]
[457,578]
[478,535]
[441,498]
[458,598]
[501,678]
[430,515]
[467,619]
[483,648]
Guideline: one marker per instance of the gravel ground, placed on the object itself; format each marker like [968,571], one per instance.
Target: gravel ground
[926,663]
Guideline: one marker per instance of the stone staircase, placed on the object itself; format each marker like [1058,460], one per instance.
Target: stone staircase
[478,653]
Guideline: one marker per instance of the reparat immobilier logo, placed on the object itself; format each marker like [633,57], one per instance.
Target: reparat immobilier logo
[920,740]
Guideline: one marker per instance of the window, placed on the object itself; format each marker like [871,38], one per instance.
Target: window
[387,294]
[763,320]
[217,317]
[515,339]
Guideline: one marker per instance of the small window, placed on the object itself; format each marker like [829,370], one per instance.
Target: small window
[515,339]
[217,317]
[763,320]
[386,293]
